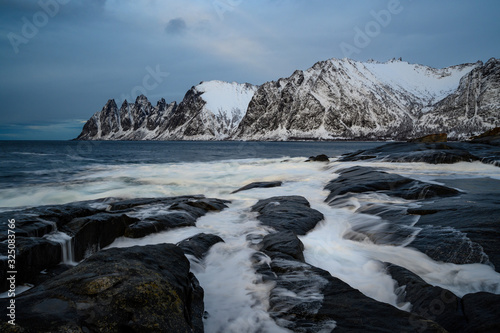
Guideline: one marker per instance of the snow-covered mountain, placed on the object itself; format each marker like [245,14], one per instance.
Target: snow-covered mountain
[209,111]
[334,99]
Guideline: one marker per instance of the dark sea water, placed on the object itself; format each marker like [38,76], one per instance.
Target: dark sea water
[35,162]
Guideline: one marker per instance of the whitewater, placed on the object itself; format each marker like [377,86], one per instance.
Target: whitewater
[236,297]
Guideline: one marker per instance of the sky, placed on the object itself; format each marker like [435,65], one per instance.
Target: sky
[61,60]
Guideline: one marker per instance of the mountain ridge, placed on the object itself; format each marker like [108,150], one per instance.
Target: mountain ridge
[334,99]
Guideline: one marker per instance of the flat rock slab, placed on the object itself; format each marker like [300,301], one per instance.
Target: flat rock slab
[360,179]
[433,153]
[465,228]
[137,289]
[291,213]
[258,185]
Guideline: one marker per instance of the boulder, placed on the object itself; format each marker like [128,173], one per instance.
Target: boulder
[284,244]
[287,213]
[318,158]
[199,244]
[137,289]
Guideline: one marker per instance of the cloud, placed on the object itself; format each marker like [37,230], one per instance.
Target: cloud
[176,26]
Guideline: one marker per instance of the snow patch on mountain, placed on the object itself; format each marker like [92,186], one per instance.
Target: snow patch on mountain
[426,83]
[226,100]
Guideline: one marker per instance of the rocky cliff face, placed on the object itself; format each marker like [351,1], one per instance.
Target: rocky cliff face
[472,108]
[334,99]
[209,111]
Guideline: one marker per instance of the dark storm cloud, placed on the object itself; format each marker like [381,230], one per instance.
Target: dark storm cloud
[176,26]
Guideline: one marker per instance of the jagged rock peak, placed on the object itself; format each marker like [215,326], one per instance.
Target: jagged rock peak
[110,104]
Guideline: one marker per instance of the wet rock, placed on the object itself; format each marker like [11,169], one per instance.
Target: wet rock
[258,185]
[284,244]
[433,303]
[32,255]
[465,228]
[318,158]
[92,233]
[92,225]
[366,179]
[38,221]
[433,153]
[308,299]
[159,223]
[169,213]
[478,312]
[447,244]
[482,311]
[287,213]
[199,244]
[431,138]
[138,289]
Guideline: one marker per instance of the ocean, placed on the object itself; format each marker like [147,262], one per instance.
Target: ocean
[35,173]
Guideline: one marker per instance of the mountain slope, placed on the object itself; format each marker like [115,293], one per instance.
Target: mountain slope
[472,108]
[348,99]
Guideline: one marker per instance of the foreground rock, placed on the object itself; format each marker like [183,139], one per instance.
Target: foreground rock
[462,229]
[478,312]
[308,299]
[291,213]
[284,244]
[366,179]
[433,153]
[45,235]
[138,289]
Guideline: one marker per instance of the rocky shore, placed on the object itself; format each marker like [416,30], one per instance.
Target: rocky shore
[153,289]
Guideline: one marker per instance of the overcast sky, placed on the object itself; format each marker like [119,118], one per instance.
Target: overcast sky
[61,60]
